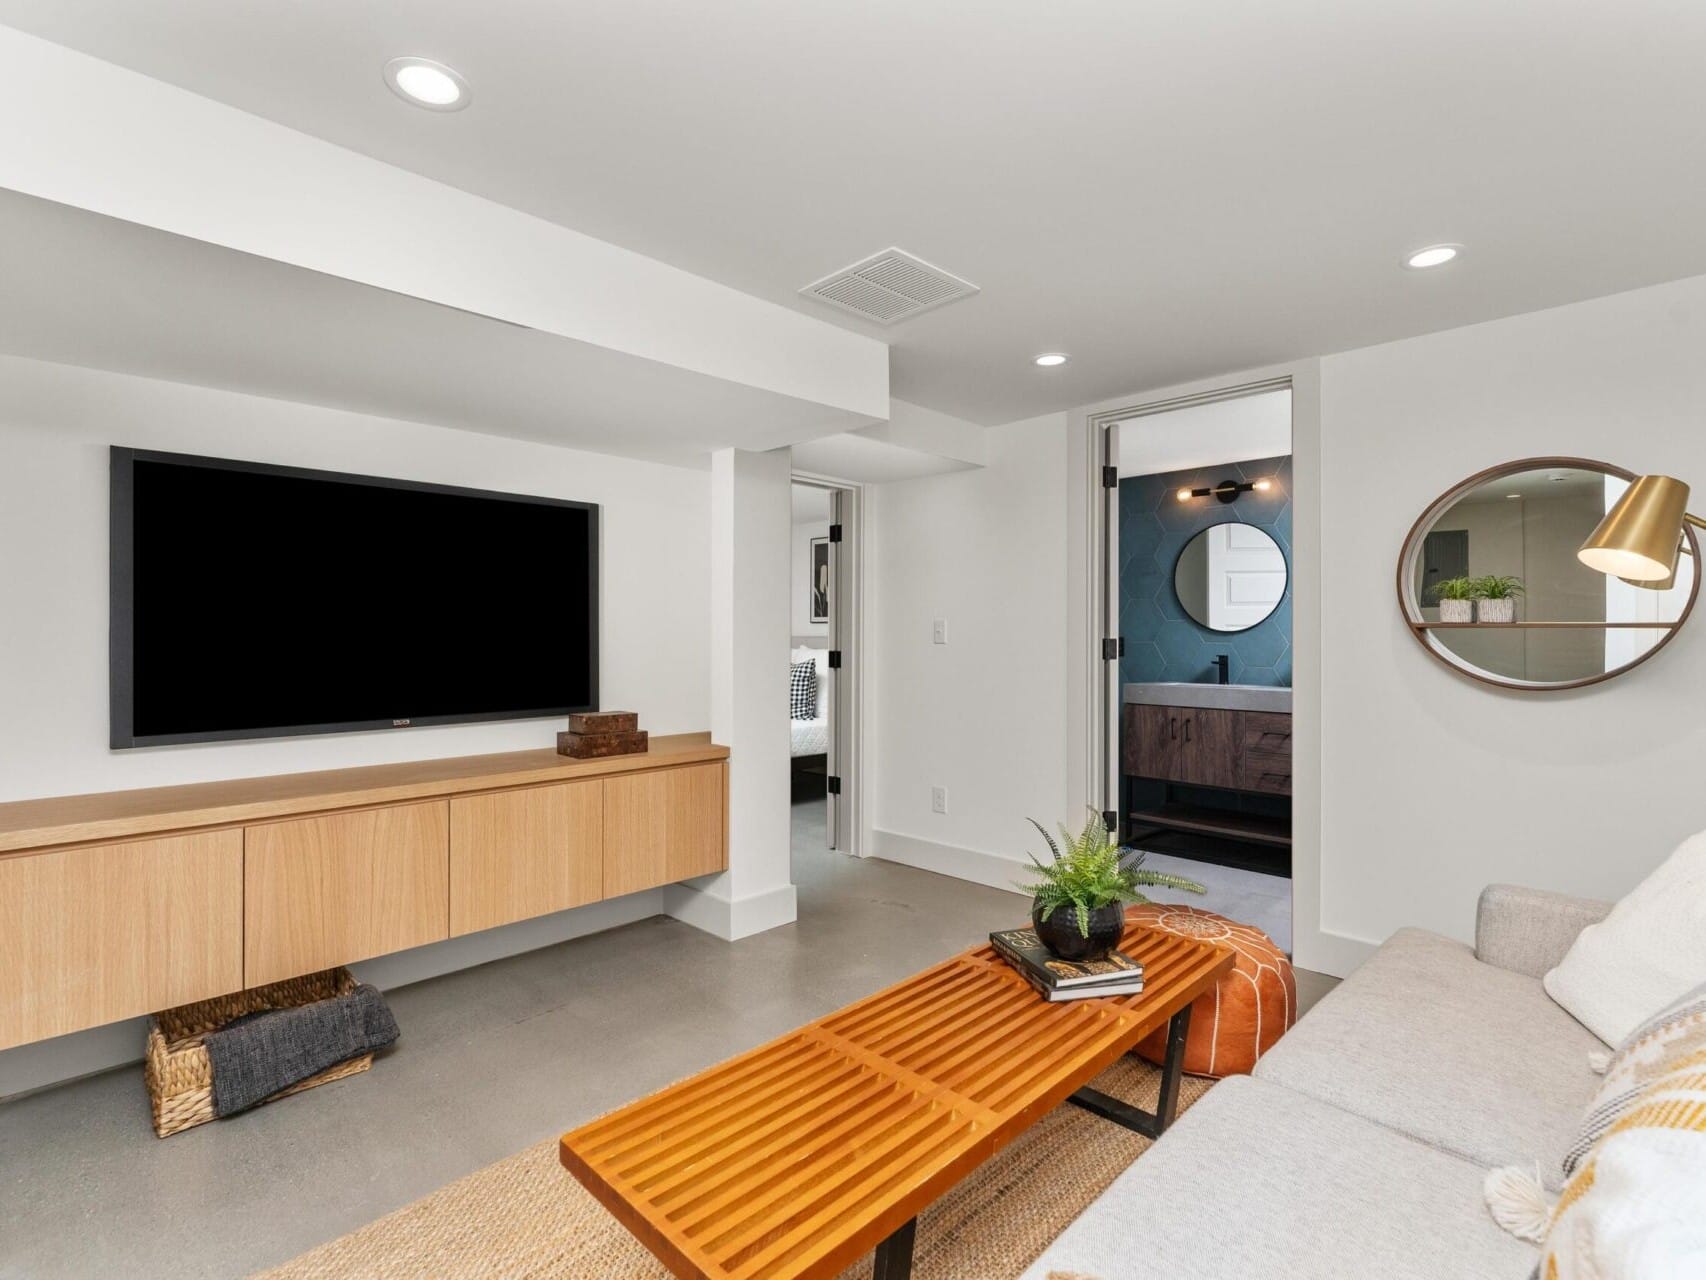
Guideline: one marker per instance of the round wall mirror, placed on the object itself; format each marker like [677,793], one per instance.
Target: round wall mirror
[1230,577]
[1490,584]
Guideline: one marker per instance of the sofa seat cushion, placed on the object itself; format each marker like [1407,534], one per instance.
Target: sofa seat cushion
[1260,1183]
[1470,1058]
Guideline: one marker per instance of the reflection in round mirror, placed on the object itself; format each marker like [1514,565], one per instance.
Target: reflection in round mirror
[1230,576]
[1490,583]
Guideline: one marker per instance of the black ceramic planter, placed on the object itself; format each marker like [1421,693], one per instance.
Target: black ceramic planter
[1059,931]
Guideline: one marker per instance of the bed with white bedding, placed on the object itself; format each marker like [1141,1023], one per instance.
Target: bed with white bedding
[810,737]
[808,740]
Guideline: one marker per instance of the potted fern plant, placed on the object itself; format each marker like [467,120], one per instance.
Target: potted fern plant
[1456,597]
[1495,597]
[1078,898]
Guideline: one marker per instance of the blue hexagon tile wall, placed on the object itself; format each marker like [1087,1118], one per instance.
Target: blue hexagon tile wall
[1162,642]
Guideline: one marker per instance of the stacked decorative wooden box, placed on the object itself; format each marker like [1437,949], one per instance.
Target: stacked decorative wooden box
[593,735]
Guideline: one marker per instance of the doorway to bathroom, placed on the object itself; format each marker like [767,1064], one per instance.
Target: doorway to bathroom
[1198,594]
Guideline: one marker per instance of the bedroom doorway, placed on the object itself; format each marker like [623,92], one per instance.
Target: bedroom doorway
[822,665]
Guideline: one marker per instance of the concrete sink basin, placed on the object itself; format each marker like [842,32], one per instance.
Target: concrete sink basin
[1228,697]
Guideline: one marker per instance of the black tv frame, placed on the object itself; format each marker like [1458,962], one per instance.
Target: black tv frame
[122,584]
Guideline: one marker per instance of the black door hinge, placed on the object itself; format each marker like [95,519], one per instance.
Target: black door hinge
[833,784]
[835,533]
[835,659]
[1111,649]
[1110,477]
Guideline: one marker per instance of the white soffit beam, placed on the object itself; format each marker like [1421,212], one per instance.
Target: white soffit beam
[914,442]
[96,136]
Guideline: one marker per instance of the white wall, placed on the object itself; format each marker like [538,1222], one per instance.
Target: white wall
[56,423]
[1429,786]
[799,590]
[984,715]
[1582,791]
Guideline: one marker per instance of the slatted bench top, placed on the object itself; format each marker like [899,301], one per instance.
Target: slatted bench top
[798,1157]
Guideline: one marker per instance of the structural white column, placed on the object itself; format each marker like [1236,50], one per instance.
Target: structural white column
[750,527]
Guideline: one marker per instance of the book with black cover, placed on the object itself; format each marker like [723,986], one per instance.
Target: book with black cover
[1022,949]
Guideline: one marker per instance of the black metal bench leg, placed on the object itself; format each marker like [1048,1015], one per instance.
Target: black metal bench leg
[1151,1124]
[894,1255]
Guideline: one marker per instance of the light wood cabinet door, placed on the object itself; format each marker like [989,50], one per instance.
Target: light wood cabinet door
[330,890]
[92,935]
[518,854]
[664,826]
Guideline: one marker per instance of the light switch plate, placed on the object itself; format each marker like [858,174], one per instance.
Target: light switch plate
[939,631]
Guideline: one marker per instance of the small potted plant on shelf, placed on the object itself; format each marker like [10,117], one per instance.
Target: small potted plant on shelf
[1456,598]
[1495,597]
[1078,899]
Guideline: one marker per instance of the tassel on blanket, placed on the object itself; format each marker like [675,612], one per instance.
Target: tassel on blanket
[1518,1202]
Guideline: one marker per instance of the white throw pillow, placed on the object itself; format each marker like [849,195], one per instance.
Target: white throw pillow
[1646,953]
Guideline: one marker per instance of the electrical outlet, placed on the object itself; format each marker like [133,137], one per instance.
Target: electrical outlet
[938,799]
[939,631]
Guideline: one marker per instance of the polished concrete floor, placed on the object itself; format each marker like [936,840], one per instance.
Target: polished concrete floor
[492,1060]
[1246,896]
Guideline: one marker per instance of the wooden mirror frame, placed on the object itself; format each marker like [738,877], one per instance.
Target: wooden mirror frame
[1410,606]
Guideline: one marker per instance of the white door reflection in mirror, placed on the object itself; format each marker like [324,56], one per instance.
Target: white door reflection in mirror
[1230,577]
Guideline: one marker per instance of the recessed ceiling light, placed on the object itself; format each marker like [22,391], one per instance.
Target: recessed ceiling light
[1051,359]
[425,83]
[1435,255]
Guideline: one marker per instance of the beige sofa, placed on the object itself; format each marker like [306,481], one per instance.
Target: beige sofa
[1359,1146]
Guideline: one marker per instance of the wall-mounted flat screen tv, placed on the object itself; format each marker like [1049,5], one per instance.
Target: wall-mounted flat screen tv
[253,601]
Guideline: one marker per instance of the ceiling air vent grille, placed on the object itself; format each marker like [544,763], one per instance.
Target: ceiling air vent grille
[889,287]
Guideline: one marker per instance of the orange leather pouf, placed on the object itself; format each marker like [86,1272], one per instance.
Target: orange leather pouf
[1249,1008]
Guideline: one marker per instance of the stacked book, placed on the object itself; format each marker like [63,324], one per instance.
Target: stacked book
[1056,979]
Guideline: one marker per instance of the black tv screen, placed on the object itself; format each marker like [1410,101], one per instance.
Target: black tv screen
[253,601]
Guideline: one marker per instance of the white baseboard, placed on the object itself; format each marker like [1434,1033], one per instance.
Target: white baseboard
[49,1062]
[990,869]
[729,920]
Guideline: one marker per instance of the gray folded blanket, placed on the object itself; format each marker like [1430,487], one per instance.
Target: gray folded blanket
[259,1054]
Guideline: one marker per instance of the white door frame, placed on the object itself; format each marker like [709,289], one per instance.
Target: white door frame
[850,632]
[1314,945]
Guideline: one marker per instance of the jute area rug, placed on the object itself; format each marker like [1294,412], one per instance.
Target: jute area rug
[525,1218]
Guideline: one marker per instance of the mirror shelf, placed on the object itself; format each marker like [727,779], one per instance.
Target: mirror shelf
[1520,626]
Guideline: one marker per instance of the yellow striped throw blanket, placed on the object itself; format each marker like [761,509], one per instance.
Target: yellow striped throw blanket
[1634,1205]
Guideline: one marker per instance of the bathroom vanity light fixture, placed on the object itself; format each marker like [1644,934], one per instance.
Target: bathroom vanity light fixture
[1228,490]
[421,82]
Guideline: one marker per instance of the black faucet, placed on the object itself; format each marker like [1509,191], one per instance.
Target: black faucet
[1222,673]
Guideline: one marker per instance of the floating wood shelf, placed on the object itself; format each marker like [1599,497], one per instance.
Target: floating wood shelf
[1257,828]
[1535,626]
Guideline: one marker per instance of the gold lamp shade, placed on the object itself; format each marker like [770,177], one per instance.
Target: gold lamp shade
[1641,536]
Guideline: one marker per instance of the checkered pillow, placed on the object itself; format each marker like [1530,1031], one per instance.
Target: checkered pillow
[802,691]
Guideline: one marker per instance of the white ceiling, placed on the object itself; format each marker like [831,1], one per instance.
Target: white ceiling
[1204,435]
[97,291]
[1164,188]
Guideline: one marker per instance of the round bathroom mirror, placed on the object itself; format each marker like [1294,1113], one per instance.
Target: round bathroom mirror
[1490,584]
[1230,577]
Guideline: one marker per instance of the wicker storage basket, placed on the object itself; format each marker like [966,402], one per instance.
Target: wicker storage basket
[177,1068]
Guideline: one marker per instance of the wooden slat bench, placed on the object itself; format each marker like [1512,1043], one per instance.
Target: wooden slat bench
[800,1156]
